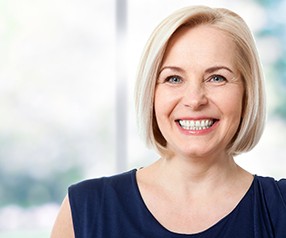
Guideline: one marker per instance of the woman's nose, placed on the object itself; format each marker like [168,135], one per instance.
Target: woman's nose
[195,96]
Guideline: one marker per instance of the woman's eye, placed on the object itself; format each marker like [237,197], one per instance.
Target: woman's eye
[217,79]
[174,79]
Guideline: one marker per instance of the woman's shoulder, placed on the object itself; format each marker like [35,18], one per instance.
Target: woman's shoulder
[273,190]
[94,192]
[270,181]
[96,185]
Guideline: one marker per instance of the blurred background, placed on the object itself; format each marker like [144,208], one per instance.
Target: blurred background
[67,73]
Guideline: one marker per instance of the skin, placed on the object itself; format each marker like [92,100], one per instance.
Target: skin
[63,227]
[198,80]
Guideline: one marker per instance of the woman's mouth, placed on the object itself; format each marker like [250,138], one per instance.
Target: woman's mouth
[196,125]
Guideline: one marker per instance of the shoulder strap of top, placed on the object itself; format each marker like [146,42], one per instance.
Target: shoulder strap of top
[274,191]
[84,198]
[271,195]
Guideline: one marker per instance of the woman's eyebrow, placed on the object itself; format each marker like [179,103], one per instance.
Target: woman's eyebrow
[216,68]
[174,68]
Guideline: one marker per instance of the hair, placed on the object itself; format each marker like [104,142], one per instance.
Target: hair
[248,63]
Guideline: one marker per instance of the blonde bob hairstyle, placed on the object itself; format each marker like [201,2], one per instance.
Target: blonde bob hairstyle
[248,63]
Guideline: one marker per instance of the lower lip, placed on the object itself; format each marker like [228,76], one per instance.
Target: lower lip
[197,132]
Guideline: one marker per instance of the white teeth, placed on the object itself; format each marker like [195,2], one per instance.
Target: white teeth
[196,124]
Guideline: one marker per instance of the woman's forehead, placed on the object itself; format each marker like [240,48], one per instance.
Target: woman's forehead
[202,45]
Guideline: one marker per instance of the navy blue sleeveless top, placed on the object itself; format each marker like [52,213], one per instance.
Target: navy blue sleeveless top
[112,207]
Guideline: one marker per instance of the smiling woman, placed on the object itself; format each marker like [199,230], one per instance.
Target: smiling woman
[200,102]
[243,47]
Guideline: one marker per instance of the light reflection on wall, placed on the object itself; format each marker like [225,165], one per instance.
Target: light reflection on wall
[57,94]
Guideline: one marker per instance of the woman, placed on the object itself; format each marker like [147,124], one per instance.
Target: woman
[200,102]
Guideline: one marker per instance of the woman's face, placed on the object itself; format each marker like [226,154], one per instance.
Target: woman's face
[199,92]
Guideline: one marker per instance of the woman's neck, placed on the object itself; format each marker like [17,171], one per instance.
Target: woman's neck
[190,176]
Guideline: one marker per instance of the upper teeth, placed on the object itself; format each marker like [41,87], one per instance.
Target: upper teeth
[196,124]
